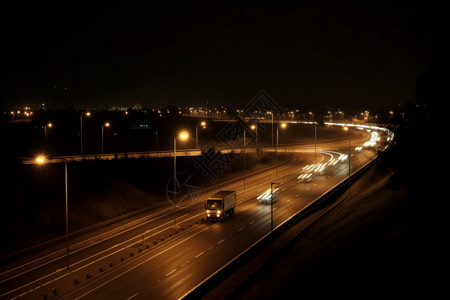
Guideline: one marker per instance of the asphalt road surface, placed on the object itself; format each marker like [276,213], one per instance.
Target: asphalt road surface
[152,257]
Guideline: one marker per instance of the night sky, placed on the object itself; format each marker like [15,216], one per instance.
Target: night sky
[154,53]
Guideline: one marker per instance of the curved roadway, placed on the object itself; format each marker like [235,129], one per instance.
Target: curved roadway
[149,257]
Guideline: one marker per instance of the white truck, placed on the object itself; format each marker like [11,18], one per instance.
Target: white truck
[220,205]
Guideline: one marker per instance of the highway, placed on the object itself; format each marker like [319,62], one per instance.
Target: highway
[148,257]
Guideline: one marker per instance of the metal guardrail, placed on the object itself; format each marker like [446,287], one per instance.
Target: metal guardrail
[113,156]
[146,154]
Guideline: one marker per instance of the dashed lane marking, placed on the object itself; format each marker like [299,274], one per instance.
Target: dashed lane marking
[170,272]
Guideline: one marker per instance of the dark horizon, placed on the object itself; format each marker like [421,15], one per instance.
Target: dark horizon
[154,54]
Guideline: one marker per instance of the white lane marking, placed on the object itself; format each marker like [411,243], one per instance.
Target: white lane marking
[241,228]
[170,272]
[221,241]
[139,264]
[132,296]
[199,254]
[87,258]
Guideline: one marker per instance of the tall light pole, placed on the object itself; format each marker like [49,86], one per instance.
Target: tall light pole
[48,125]
[184,135]
[67,214]
[315,140]
[244,158]
[271,112]
[40,160]
[203,124]
[271,205]
[347,128]
[349,154]
[81,130]
[106,124]
[283,125]
[255,127]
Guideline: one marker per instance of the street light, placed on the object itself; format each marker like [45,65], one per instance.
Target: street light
[106,124]
[203,124]
[315,141]
[347,128]
[48,125]
[40,160]
[271,205]
[255,127]
[183,135]
[244,157]
[271,112]
[88,114]
[283,126]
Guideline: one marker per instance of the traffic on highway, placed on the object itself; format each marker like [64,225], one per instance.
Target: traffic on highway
[149,255]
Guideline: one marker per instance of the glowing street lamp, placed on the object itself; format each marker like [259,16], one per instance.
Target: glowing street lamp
[41,160]
[106,124]
[183,136]
[271,113]
[283,126]
[315,141]
[347,128]
[48,125]
[88,114]
[255,127]
[203,124]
